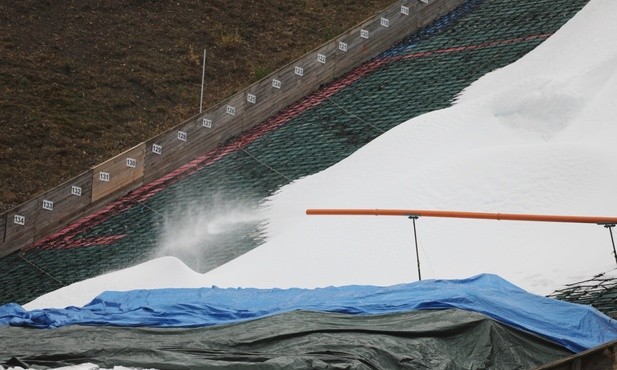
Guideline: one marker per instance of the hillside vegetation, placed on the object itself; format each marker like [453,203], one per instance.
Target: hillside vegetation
[81,81]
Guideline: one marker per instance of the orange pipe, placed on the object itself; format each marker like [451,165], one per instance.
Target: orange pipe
[460,214]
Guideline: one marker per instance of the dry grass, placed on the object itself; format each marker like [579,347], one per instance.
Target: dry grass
[83,81]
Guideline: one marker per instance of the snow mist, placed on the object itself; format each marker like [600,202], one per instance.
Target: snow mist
[198,233]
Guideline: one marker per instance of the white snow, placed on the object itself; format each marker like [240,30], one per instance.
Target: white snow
[538,136]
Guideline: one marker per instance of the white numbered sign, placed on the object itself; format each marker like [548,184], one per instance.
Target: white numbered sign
[299,71]
[321,58]
[364,34]
[19,220]
[231,110]
[404,9]
[385,22]
[48,205]
[182,136]
[276,84]
[131,162]
[157,149]
[342,46]
[76,190]
[104,176]
[207,123]
[251,98]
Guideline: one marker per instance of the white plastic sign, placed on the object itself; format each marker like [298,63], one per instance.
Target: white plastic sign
[76,190]
[104,176]
[19,220]
[48,205]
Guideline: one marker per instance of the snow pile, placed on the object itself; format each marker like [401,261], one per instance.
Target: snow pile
[534,137]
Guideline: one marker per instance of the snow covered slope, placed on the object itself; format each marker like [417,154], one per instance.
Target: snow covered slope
[535,137]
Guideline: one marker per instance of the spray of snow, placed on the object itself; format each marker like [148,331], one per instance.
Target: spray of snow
[194,231]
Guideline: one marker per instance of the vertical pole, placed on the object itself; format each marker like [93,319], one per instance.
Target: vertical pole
[203,76]
[415,237]
[610,230]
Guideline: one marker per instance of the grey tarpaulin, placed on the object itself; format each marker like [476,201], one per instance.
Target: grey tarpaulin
[443,339]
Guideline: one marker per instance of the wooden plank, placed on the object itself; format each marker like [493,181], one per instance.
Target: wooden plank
[381,32]
[21,222]
[315,74]
[118,173]
[394,26]
[2,229]
[261,109]
[352,49]
[45,214]
[291,85]
[319,66]
[67,202]
[226,122]
[270,100]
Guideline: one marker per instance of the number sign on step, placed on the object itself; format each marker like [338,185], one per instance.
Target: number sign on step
[104,176]
[385,22]
[299,71]
[342,46]
[157,149]
[364,34]
[19,220]
[277,84]
[207,123]
[321,58]
[182,136]
[48,205]
[251,98]
[76,190]
[231,110]
[131,162]
[404,10]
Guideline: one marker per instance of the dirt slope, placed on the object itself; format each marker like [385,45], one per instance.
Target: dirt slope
[81,81]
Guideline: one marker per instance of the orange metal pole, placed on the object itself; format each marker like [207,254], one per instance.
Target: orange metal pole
[461,214]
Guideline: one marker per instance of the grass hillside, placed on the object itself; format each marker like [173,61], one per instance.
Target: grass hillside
[81,81]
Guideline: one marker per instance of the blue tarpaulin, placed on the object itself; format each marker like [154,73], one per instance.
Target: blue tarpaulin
[576,327]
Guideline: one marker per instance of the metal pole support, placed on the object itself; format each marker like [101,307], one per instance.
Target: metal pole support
[203,77]
[610,230]
[415,237]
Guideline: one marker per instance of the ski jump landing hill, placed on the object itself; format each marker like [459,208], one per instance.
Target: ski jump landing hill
[296,122]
